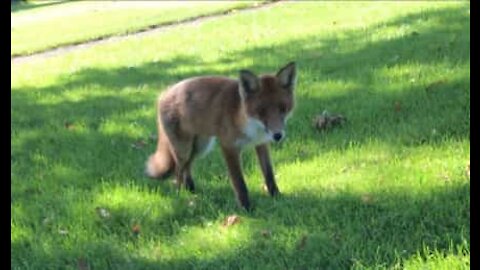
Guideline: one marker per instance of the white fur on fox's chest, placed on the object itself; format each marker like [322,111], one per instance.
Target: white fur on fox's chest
[254,133]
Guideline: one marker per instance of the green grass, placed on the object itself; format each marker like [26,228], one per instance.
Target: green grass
[38,26]
[388,190]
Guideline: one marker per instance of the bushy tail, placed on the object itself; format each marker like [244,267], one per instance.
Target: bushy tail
[160,164]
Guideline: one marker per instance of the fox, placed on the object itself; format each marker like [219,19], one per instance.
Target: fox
[248,112]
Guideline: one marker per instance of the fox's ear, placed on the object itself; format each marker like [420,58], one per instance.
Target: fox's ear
[249,83]
[288,75]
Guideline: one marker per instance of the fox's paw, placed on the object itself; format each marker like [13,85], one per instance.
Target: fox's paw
[272,190]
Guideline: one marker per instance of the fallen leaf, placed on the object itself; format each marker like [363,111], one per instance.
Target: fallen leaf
[46,221]
[320,122]
[325,120]
[434,85]
[139,144]
[266,233]
[136,229]
[231,220]
[157,252]
[303,241]
[82,264]
[367,199]
[68,125]
[397,106]
[102,212]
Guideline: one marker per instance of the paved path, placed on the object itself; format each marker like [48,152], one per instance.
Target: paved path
[142,32]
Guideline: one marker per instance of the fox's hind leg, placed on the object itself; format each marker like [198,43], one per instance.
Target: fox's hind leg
[182,147]
[182,150]
[201,146]
[187,177]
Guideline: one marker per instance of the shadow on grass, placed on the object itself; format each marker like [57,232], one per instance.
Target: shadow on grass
[351,231]
[390,231]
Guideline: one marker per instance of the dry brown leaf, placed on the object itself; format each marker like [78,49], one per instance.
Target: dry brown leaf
[46,221]
[139,144]
[320,122]
[303,241]
[68,125]
[82,264]
[266,233]
[136,229]
[231,220]
[397,106]
[367,199]
[325,121]
[434,85]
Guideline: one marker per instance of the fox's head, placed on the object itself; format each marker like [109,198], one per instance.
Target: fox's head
[269,98]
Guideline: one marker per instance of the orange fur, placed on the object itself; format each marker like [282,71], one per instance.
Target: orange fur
[249,111]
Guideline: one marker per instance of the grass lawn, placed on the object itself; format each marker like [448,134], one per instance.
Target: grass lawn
[388,190]
[42,25]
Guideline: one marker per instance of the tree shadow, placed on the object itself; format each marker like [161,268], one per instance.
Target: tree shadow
[397,221]
[426,37]
[344,231]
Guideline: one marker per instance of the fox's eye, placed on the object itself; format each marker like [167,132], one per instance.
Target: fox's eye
[282,108]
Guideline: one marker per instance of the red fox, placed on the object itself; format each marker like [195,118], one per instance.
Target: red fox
[250,111]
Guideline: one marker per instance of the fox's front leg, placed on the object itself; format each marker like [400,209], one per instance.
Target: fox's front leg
[232,158]
[266,165]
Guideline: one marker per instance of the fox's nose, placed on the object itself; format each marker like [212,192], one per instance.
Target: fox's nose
[277,136]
